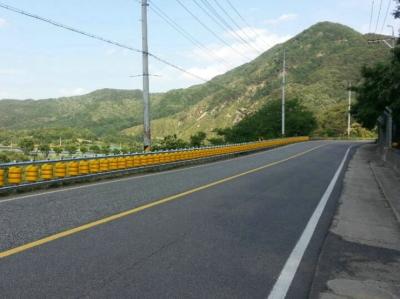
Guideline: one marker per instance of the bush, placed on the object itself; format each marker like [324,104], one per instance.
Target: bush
[198,139]
[266,123]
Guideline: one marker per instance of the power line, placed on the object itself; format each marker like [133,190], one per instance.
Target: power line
[97,37]
[209,29]
[187,35]
[372,15]
[54,23]
[232,20]
[211,16]
[387,13]
[218,19]
[246,23]
[379,16]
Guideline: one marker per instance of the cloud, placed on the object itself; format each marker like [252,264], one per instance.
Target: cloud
[282,19]
[65,92]
[222,58]
[3,23]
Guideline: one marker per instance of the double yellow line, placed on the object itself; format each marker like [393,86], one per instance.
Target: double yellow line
[141,208]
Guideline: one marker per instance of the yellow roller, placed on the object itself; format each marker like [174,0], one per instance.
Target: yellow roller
[60,170]
[14,175]
[1,177]
[46,171]
[31,173]
[73,168]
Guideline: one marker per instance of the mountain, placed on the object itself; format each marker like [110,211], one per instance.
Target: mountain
[321,60]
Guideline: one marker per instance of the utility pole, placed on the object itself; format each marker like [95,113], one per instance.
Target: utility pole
[349,113]
[283,92]
[146,93]
[393,37]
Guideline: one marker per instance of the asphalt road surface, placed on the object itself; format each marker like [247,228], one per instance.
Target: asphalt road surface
[228,229]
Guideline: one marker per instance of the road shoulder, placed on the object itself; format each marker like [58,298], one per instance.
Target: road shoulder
[361,254]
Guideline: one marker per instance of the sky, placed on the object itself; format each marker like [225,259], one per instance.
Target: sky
[38,60]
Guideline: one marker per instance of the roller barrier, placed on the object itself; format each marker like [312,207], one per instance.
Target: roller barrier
[13,175]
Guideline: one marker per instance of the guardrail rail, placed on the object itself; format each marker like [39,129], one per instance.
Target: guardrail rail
[31,173]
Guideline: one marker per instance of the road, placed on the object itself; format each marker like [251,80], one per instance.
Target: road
[221,230]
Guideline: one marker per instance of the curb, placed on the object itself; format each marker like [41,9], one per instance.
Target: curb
[381,188]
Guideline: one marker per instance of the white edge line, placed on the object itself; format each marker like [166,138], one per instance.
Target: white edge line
[141,176]
[282,285]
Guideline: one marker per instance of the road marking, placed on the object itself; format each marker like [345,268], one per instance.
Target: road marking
[288,272]
[140,176]
[144,207]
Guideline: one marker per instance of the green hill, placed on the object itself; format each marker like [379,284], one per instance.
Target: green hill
[321,60]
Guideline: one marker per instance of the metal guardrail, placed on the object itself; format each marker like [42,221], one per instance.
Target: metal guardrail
[31,173]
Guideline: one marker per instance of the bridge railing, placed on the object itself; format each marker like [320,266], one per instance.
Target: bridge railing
[34,172]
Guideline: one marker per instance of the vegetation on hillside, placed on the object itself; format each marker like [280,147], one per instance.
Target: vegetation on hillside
[380,88]
[320,62]
[266,123]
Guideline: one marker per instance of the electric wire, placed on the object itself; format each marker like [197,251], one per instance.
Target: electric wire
[97,37]
[386,15]
[206,50]
[246,23]
[234,21]
[210,30]
[371,16]
[379,16]
[218,19]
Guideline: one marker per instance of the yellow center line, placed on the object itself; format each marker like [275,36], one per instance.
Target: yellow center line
[141,208]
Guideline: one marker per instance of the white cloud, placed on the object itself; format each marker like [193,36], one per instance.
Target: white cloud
[3,23]
[65,92]
[223,58]
[281,19]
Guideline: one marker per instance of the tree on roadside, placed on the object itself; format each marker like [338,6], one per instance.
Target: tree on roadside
[26,145]
[198,139]
[95,149]
[105,149]
[116,151]
[71,149]
[58,150]
[216,141]
[171,142]
[266,123]
[379,89]
[83,149]
[44,148]
[397,11]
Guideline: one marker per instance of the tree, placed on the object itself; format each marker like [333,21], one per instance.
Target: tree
[379,88]
[105,149]
[125,150]
[58,150]
[116,151]
[266,123]
[83,149]
[216,141]
[171,142]
[45,149]
[95,149]
[397,11]
[26,145]
[71,149]
[333,121]
[198,139]
[4,158]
